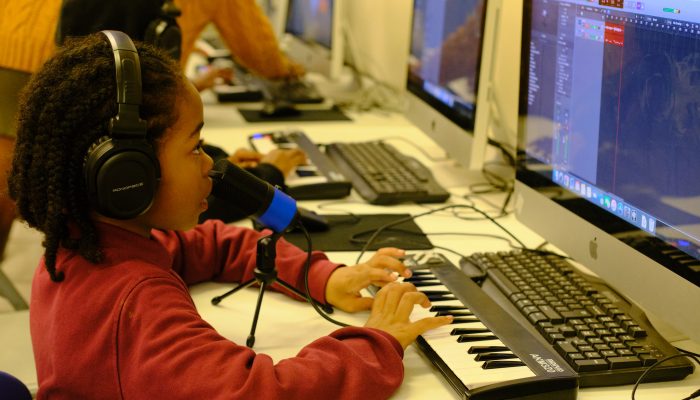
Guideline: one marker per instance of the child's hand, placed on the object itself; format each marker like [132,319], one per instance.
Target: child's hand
[344,285]
[245,158]
[392,307]
[286,160]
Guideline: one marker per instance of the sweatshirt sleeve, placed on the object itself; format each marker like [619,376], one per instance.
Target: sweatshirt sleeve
[244,28]
[165,350]
[226,253]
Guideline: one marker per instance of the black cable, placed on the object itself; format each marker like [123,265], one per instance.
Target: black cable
[687,352]
[307,291]
[694,395]
[411,217]
[507,154]
[661,361]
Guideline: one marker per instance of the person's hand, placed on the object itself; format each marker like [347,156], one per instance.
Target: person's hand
[393,306]
[209,75]
[344,285]
[286,160]
[245,158]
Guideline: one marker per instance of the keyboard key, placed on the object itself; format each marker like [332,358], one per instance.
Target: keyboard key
[598,364]
[624,362]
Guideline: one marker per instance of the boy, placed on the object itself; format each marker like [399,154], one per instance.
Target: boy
[111,316]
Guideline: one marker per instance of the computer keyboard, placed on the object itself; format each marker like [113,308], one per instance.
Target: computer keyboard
[603,337]
[383,175]
[296,91]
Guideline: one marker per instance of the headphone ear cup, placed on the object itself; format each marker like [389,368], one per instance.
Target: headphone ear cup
[121,177]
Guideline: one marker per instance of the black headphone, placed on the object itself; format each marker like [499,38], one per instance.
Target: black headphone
[122,170]
[164,32]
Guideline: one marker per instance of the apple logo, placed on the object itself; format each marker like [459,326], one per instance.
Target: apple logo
[593,248]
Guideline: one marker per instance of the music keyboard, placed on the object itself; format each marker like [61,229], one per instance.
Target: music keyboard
[485,354]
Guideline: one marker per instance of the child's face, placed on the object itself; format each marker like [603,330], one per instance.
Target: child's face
[184,184]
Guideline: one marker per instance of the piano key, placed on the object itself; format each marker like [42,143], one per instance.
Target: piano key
[486,349]
[445,307]
[466,331]
[456,313]
[494,356]
[502,364]
[475,338]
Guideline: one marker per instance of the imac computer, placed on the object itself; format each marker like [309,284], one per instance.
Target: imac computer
[446,59]
[609,145]
[314,36]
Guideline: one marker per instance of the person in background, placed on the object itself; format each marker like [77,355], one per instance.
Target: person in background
[27,30]
[246,31]
[111,314]
[242,25]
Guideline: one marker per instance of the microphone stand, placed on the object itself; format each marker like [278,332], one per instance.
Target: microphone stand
[265,274]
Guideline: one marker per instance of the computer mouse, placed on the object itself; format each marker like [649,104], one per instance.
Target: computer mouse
[276,108]
[312,222]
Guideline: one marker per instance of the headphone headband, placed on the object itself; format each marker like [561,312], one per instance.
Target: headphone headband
[127,122]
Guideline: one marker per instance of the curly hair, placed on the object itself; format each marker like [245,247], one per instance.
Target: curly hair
[63,110]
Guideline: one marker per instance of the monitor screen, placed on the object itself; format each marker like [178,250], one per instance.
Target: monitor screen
[445,53]
[609,135]
[311,20]
[443,72]
[314,36]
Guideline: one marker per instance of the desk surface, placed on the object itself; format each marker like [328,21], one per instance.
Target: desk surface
[286,325]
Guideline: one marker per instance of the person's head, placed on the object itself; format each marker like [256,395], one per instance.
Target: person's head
[66,108]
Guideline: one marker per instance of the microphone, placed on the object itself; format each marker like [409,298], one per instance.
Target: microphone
[253,196]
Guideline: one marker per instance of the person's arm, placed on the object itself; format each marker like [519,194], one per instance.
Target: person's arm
[164,349]
[244,28]
[216,251]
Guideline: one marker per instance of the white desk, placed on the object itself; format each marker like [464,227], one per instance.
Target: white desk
[285,325]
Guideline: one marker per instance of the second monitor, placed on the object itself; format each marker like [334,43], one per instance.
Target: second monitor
[445,66]
[314,36]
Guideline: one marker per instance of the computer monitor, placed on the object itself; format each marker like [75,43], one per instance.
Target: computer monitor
[609,138]
[448,54]
[314,35]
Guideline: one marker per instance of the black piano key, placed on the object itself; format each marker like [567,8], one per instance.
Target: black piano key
[424,283]
[446,308]
[436,292]
[464,320]
[493,364]
[486,349]
[456,313]
[421,278]
[422,273]
[467,331]
[494,356]
[475,338]
[441,297]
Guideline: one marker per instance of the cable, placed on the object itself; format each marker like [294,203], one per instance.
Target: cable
[687,352]
[661,361]
[695,395]
[307,291]
[409,218]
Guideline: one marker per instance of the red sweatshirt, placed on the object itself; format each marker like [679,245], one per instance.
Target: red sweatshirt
[128,328]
